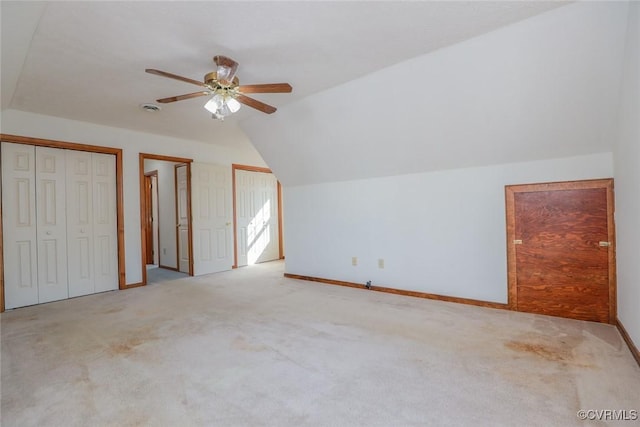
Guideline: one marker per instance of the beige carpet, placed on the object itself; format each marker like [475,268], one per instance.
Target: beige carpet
[251,348]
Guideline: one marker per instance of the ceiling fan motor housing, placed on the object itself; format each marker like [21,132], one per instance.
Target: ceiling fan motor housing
[211,80]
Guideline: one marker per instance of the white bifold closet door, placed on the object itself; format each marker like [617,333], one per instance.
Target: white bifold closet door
[59,234]
[19,225]
[91,223]
[257,217]
[51,225]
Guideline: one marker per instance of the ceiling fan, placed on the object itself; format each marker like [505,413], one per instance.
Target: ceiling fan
[225,90]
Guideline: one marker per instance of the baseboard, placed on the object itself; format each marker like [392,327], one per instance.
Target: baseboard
[168,268]
[416,294]
[629,341]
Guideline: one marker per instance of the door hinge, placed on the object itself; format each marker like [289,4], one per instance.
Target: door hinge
[517,242]
[605,244]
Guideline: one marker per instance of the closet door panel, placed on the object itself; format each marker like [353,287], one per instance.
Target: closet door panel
[257,217]
[19,225]
[51,224]
[105,247]
[80,242]
[245,212]
[267,239]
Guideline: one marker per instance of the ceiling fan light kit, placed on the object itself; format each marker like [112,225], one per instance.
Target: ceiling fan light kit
[222,105]
[224,87]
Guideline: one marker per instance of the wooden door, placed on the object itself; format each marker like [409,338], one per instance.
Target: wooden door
[51,224]
[148,218]
[211,201]
[182,214]
[19,225]
[561,253]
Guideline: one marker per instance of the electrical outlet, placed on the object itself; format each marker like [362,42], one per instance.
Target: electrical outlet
[164,251]
[354,260]
[381,263]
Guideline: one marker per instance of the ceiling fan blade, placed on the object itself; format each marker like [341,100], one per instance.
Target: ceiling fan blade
[266,88]
[181,97]
[258,105]
[173,76]
[227,68]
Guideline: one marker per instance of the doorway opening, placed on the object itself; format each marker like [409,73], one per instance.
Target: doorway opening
[165,212]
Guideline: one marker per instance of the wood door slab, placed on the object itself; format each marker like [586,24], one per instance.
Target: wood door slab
[560,243]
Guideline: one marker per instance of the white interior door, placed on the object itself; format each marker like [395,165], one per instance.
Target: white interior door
[211,210]
[183,219]
[155,220]
[80,223]
[51,224]
[19,225]
[105,229]
[245,212]
[257,217]
[267,248]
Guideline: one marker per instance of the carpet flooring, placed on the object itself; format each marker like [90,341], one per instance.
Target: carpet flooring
[158,275]
[249,347]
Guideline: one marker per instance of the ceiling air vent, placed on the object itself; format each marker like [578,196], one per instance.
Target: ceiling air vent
[152,108]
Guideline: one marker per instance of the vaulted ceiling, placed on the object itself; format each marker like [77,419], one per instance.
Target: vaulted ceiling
[380,88]
[86,60]
[544,88]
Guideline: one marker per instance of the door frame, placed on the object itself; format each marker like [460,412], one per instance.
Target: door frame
[234,168]
[511,190]
[143,241]
[117,152]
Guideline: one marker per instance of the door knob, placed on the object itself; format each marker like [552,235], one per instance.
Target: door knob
[48,233]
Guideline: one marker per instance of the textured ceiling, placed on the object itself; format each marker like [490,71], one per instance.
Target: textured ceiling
[85,60]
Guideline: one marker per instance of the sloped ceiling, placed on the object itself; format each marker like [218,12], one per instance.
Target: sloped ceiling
[380,88]
[85,60]
[542,88]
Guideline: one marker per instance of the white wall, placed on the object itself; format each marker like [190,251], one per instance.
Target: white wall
[439,232]
[627,175]
[167,210]
[132,143]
